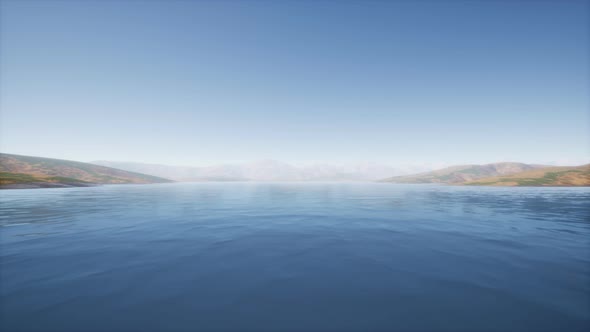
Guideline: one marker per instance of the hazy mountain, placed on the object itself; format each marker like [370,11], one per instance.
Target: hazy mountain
[464,173]
[265,170]
[33,172]
[548,176]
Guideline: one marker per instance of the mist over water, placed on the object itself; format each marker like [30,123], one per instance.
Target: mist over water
[295,256]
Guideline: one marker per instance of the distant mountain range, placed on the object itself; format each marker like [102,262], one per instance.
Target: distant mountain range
[463,173]
[18,171]
[265,170]
[502,174]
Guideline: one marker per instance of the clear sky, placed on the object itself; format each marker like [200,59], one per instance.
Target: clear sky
[201,82]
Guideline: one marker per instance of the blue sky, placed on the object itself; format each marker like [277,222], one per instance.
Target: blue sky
[201,82]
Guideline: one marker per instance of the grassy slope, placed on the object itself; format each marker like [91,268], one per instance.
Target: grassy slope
[460,174]
[549,176]
[7,178]
[16,168]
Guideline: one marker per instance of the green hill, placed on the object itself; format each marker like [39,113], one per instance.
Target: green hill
[464,173]
[18,171]
[549,176]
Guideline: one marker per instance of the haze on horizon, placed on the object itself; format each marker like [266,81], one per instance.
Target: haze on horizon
[221,82]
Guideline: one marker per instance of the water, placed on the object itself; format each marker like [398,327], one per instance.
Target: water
[299,256]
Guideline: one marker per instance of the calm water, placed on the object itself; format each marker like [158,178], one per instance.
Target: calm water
[304,257]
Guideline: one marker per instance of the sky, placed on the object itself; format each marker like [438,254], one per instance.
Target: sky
[203,82]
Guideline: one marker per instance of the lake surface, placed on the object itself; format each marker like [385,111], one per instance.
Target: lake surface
[295,256]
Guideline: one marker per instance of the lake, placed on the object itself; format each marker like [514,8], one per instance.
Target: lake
[295,257]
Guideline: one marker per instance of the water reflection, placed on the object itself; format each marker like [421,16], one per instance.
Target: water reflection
[303,256]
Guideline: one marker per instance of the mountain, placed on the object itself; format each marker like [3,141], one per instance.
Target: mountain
[464,173]
[264,170]
[18,171]
[548,176]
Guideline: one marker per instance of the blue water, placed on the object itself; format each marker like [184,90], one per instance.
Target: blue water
[298,257]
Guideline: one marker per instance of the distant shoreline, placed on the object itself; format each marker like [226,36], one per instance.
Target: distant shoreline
[46,185]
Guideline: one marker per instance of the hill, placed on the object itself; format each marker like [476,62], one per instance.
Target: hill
[464,173]
[18,171]
[549,176]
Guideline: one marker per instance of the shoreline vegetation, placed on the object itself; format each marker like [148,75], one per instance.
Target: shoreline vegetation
[25,181]
[550,176]
[26,172]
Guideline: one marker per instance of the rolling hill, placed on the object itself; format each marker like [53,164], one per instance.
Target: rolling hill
[18,171]
[549,176]
[464,173]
